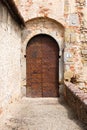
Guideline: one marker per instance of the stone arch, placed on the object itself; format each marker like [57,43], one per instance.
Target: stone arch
[42,26]
[39,26]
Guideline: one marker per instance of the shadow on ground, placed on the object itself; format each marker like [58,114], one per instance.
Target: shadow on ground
[71,113]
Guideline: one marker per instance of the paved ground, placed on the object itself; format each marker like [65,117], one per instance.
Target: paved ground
[40,114]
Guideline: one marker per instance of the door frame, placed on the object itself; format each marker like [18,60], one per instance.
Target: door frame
[56,34]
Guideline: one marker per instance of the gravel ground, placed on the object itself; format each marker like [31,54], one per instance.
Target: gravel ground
[40,114]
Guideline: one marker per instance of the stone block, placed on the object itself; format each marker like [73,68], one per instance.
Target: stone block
[84,52]
[73,20]
[68,75]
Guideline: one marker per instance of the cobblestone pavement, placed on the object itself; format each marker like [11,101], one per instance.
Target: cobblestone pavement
[40,114]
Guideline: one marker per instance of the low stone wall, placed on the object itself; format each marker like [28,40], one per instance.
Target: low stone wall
[76,99]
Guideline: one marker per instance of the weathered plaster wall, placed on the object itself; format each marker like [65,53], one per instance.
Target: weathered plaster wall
[10,45]
[42,8]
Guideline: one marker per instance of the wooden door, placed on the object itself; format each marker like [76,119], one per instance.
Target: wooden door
[42,67]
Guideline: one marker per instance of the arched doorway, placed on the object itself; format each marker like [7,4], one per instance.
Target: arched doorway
[42,67]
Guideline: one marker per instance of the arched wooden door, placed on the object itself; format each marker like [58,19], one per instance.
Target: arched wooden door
[42,67]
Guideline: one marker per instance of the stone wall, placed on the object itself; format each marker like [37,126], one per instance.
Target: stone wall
[10,45]
[77,99]
[73,16]
[41,8]
[76,46]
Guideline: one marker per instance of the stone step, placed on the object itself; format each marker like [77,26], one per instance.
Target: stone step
[40,100]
